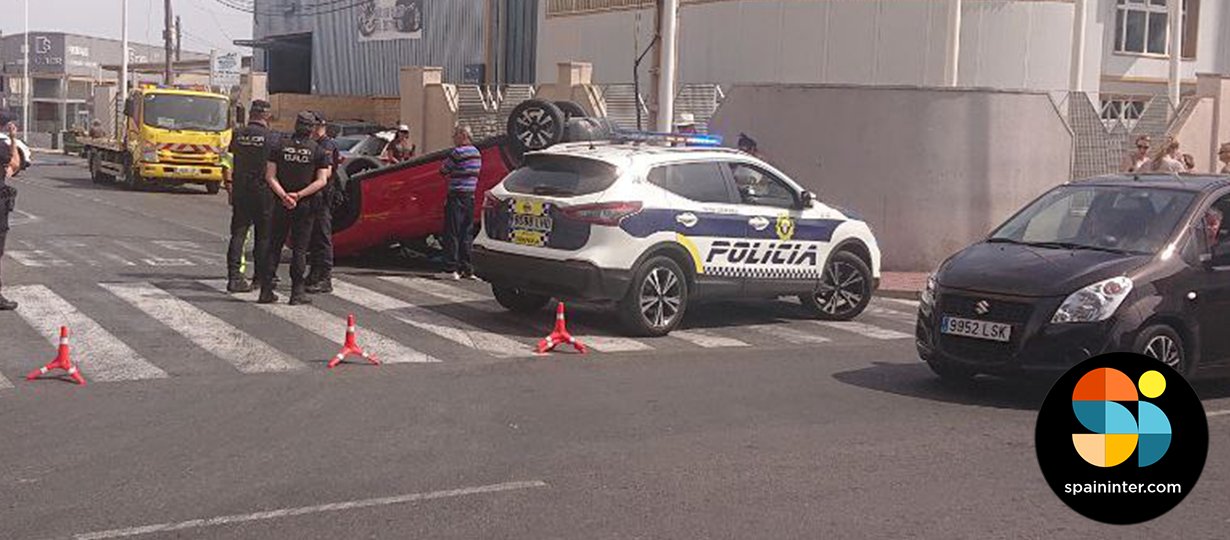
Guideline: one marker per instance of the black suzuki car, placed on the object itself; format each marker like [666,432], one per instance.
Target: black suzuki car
[1114,263]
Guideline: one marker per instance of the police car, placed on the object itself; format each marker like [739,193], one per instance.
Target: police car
[654,228]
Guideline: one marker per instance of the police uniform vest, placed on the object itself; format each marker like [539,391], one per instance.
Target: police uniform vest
[297,160]
[251,151]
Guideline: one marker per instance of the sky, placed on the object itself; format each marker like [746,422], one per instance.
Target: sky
[207,24]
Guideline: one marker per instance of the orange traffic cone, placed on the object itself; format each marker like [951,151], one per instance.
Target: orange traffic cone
[560,335]
[351,347]
[62,361]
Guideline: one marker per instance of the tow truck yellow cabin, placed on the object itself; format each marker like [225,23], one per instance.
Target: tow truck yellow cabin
[170,135]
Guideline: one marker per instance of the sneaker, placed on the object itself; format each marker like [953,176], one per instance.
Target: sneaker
[267,297]
[7,305]
[470,275]
[324,286]
[455,276]
[238,285]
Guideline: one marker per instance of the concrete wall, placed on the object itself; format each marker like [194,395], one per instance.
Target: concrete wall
[1004,43]
[382,110]
[1209,124]
[931,169]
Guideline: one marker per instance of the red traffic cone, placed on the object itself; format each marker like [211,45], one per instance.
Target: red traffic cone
[351,347]
[560,335]
[62,361]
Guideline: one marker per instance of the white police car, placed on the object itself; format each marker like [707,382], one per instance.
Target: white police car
[654,228]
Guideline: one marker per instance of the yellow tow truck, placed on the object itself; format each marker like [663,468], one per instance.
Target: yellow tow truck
[170,135]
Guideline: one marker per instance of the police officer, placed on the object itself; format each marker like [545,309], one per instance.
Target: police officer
[297,170]
[251,200]
[320,250]
[10,163]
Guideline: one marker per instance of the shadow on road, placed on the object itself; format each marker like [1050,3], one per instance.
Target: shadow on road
[916,380]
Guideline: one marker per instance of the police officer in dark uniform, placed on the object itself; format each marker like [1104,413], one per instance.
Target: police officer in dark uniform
[297,170]
[10,164]
[251,200]
[320,250]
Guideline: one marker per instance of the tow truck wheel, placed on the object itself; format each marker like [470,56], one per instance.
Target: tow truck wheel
[656,300]
[514,299]
[96,173]
[536,124]
[844,290]
[213,188]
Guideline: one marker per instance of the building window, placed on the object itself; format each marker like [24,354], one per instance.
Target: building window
[1142,27]
[1124,111]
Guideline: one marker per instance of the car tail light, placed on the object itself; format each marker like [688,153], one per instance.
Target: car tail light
[490,202]
[603,213]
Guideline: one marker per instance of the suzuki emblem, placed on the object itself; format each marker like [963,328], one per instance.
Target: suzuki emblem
[982,307]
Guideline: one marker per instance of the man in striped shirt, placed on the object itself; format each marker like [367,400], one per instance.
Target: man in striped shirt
[461,169]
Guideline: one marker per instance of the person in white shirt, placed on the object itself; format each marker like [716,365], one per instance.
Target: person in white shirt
[1136,159]
[1168,160]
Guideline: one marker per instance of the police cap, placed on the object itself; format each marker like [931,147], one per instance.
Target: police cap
[261,106]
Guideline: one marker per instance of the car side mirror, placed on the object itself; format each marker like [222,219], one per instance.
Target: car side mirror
[806,199]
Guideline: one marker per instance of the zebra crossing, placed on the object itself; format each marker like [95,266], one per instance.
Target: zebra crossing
[70,253]
[403,320]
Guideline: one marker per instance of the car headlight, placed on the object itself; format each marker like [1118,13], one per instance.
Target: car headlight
[149,154]
[1094,303]
[926,300]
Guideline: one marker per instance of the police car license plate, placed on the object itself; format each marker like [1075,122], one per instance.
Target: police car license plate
[992,331]
[531,223]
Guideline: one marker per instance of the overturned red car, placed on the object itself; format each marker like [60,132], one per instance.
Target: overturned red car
[404,203]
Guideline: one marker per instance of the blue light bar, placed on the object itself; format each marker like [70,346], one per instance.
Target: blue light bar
[687,139]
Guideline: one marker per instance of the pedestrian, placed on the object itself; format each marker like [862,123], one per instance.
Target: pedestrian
[686,124]
[250,198]
[1168,159]
[461,168]
[96,129]
[11,161]
[1189,163]
[1135,160]
[1223,154]
[298,169]
[401,148]
[320,248]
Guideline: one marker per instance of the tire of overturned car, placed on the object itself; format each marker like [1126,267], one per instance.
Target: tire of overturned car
[536,124]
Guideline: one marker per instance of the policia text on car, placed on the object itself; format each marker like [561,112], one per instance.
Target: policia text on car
[298,169]
[10,159]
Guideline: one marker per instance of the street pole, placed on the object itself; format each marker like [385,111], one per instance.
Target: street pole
[179,39]
[25,80]
[1079,19]
[167,38]
[1175,12]
[951,68]
[666,81]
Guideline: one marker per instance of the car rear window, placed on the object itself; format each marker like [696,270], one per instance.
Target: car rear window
[551,175]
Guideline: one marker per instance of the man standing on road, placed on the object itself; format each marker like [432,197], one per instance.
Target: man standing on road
[251,200]
[320,249]
[461,168]
[10,158]
[297,170]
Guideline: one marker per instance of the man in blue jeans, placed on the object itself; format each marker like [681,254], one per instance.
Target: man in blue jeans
[461,169]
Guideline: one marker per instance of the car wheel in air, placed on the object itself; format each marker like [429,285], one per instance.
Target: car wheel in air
[656,300]
[514,299]
[536,124]
[844,289]
[1164,344]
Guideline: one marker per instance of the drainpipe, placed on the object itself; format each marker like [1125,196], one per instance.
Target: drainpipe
[1079,20]
[1175,14]
[666,82]
[954,43]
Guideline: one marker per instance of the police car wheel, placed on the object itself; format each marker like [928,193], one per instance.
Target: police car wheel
[514,299]
[536,124]
[657,299]
[844,290]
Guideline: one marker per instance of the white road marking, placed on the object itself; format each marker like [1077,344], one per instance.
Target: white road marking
[436,323]
[152,259]
[37,258]
[333,328]
[4,383]
[116,259]
[248,354]
[25,218]
[1215,414]
[865,330]
[307,510]
[193,249]
[892,314]
[76,249]
[99,354]
[786,333]
[449,294]
[902,301]
[707,340]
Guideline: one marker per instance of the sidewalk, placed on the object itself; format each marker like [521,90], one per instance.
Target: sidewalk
[905,285]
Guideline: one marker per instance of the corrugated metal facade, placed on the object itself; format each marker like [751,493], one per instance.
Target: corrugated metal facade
[519,26]
[452,37]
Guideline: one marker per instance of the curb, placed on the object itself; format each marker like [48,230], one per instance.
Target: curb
[903,295]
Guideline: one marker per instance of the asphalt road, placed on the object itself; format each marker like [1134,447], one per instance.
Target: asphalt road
[207,416]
